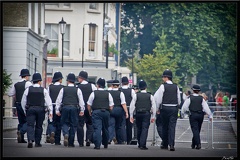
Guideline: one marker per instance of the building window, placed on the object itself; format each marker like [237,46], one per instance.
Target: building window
[93,6]
[66,41]
[66,5]
[52,33]
[52,5]
[92,41]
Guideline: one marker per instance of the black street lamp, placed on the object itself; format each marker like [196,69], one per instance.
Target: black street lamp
[90,24]
[62,25]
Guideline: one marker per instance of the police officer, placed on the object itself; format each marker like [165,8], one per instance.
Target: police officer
[118,112]
[168,96]
[54,124]
[100,102]
[36,98]
[127,125]
[196,105]
[71,99]
[109,85]
[143,102]
[87,89]
[17,91]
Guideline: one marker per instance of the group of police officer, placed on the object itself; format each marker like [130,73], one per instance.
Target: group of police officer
[108,114]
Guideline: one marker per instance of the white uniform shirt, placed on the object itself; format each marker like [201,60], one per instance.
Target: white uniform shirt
[60,97]
[48,101]
[132,91]
[133,102]
[205,106]
[91,98]
[12,91]
[158,96]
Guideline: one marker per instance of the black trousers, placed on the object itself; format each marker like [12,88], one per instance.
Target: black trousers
[196,120]
[159,125]
[169,120]
[143,123]
[35,118]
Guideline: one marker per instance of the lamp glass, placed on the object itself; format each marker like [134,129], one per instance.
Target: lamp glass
[62,25]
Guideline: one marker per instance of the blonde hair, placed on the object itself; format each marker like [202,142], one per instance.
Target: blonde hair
[204,96]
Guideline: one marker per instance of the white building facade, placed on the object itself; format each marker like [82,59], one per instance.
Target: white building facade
[84,39]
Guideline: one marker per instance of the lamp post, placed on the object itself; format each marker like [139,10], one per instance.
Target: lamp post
[107,26]
[62,25]
[90,24]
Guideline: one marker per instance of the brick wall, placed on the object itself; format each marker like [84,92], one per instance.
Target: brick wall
[15,14]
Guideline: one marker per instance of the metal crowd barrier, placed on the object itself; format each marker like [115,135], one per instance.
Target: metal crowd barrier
[224,130]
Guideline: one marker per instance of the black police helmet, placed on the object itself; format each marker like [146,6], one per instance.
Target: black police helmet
[101,82]
[110,81]
[167,73]
[135,87]
[115,82]
[124,80]
[36,77]
[196,88]
[24,72]
[83,74]
[57,76]
[142,84]
[71,77]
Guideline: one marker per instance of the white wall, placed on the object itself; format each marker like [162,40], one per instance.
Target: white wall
[17,42]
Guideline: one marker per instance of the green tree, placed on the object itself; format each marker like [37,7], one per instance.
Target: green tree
[7,81]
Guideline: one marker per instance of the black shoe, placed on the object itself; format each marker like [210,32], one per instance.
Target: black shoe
[58,144]
[23,141]
[48,139]
[105,146]
[71,145]
[88,143]
[198,146]
[96,147]
[19,138]
[193,146]
[172,148]
[38,145]
[30,144]
[66,140]
[144,148]
[163,147]
[52,140]
[80,145]
[109,142]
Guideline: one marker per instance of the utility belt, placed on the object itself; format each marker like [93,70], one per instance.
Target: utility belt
[142,111]
[102,109]
[18,102]
[164,106]
[70,105]
[32,106]
[199,112]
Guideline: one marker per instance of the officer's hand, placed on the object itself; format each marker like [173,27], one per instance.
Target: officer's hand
[90,113]
[58,113]
[210,119]
[50,116]
[152,120]
[81,113]
[126,115]
[158,112]
[131,120]
[111,107]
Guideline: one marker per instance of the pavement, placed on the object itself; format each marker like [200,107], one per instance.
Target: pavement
[182,145]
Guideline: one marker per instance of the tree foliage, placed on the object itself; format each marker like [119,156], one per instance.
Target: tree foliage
[201,37]
[7,81]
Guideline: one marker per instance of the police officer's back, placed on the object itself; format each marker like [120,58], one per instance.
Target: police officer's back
[168,97]
[17,91]
[54,126]
[34,100]
[143,102]
[196,105]
[71,100]
[87,89]
[100,103]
